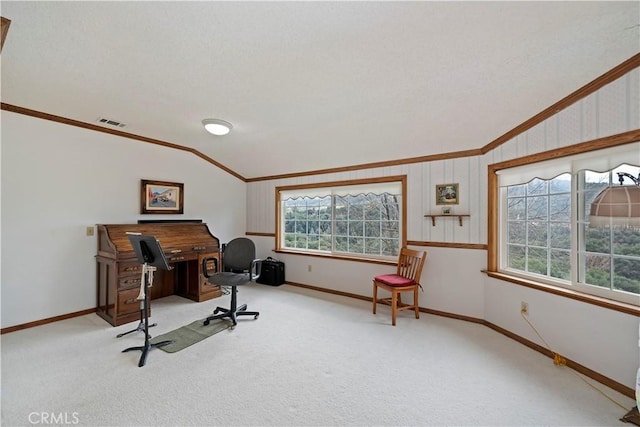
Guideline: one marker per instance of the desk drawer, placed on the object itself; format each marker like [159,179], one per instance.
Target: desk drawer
[125,282]
[126,268]
[127,302]
[181,256]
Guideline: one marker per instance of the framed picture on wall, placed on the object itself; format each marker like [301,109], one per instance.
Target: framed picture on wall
[161,197]
[447,194]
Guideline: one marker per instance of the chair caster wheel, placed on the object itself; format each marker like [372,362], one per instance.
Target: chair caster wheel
[206,322]
[216,311]
[256,316]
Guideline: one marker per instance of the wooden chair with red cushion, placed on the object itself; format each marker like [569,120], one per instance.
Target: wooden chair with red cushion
[406,279]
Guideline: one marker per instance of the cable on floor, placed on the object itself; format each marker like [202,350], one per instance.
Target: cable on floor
[558,360]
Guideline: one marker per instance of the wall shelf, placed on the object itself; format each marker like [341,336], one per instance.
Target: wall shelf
[459,216]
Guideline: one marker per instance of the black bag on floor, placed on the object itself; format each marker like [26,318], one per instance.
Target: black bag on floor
[272,272]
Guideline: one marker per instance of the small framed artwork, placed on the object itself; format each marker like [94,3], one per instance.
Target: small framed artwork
[447,210]
[161,197]
[447,194]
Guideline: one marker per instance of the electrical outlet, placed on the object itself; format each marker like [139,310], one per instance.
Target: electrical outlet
[524,307]
[89,231]
[309,268]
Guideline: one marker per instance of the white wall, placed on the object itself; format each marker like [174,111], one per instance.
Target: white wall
[59,179]
[600,339]
[603,340]
[447,286]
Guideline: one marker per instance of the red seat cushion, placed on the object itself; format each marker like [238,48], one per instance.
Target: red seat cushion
[394,280]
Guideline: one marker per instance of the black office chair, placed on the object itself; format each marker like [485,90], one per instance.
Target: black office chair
[240,268]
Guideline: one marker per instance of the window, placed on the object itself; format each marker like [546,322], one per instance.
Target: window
[609,256]
[546,232]
[360,219]
[538,224]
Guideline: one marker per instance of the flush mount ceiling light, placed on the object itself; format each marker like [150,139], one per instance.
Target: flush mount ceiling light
[217,126]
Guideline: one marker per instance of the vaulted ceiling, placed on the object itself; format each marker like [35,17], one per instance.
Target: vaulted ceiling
[310,85]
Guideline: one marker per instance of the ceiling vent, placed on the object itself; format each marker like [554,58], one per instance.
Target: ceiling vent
[110,122]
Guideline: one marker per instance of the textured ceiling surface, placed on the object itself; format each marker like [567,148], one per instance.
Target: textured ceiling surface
[310,85]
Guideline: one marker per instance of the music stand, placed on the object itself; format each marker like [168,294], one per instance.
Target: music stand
[151,256]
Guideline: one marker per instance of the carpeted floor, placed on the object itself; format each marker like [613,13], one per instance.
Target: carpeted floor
[311,359]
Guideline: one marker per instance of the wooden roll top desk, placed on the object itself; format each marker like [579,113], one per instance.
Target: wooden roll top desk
[118,272]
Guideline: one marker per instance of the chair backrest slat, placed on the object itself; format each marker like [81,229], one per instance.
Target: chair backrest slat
[410,263]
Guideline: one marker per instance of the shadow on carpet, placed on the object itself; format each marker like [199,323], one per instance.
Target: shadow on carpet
[190,334]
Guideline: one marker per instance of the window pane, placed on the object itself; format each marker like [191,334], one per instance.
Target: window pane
[312,213]
[537,208]
[537,260]
[301,212]
[594,183]
[324,243]
[356,228]
[389,247]
[516,257]
[301,227]
[516,190]
[598,270]
[341,228]
[342,244]
[537,186]
[301,241]
[560,184]
[372,246]
[626,274]
[372,228]
[356,245]
[626,241]
[391,229]
[312,242]
[598,240]
[290,240]
[560,264]
[356,212]
[289,226]
[372,211]
[560,236]
[560,207]
[517,232]
[325,227]
[537,233]
[341,210]
[516,208]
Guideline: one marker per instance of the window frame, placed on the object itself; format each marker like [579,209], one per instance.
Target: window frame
[494,222]
[402,179]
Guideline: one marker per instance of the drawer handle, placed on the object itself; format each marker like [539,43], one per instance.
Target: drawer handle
[131,301]
[132,268]
[177,258]
[176,251]
[199,248]
[130,281]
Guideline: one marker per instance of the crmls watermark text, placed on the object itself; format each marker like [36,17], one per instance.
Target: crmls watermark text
[53,418]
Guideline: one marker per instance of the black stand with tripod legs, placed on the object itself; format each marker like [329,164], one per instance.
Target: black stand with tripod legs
[151,256]
[140,327]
